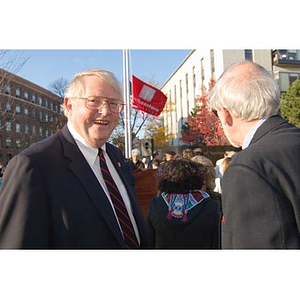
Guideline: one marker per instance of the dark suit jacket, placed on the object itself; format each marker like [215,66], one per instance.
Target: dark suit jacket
[51,198]
[261,190]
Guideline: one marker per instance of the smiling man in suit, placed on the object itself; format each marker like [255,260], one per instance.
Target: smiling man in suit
[54,193]
[261,186]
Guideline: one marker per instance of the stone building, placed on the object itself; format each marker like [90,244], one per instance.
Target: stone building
[185,84]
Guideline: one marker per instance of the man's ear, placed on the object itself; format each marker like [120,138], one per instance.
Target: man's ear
[68,104]
[228,117]
[225,117]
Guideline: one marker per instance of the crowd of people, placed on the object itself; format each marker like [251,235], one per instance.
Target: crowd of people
[75,190]
[186,213]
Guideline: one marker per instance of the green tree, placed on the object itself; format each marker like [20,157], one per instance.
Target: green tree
[290,105]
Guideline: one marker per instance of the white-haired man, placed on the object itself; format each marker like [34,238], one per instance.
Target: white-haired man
[260,188]
[134,162]
[73,190]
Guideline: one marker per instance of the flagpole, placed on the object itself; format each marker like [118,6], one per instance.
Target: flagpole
[127,111]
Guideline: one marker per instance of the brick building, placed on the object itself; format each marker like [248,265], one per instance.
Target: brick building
[28,113]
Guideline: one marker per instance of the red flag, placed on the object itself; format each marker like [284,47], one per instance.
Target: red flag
[147,98]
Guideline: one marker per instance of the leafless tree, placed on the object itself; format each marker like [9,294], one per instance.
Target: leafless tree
[11,62]
[59,87]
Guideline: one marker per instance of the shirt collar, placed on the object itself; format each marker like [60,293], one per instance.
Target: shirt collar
[250,134]
[90,153]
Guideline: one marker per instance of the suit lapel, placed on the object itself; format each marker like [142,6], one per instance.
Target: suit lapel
[83,172]
[268,125]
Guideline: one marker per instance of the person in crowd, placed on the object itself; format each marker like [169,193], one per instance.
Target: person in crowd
[134,162]
[226,163]
[183,216]
[197,151]
[219,169]
[155,164]
[145,162]
[260,188]
[223,166]
[169,155]
[157,154]
[209,182]
[59,193]
[187,153]
[219,162]
[2,168]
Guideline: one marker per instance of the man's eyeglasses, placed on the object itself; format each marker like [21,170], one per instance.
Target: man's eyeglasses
[97,102]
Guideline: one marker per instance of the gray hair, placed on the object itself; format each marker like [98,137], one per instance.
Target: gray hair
[135,152]
[77,87]
[247,90]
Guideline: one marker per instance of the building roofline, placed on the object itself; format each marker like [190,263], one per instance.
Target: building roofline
[178,68]
[15,78]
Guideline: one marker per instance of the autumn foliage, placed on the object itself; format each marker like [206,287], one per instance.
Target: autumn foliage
[203,126]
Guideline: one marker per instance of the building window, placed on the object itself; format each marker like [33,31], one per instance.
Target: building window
[18,143]
[212,63]
[18,109]
[33,98]
[18,127]
[202,72]
[286,79]
[41,130]
[7,89]
[194,83]
[41,116]
[26,129]
[34,130]
[40,100]
[8,125]
[18,92]
[46,103]
[8,107]
[248,55]
[26,111]
[289,54]
[187,92]
[8,143]
[180,98]
[175,104]
[26,95]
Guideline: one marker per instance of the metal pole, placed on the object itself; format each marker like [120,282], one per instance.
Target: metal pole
[127,111]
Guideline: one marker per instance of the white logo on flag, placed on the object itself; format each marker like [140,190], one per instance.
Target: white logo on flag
[147,93]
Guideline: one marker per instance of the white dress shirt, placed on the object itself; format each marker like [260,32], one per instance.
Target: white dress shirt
[91,155]
[250,134]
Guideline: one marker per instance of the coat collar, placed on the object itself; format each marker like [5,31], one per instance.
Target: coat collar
[80,168]
[267,126]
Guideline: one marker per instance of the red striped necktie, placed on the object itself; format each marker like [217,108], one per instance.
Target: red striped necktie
[119,205]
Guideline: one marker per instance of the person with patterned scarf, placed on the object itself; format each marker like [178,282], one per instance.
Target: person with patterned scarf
[182,215]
